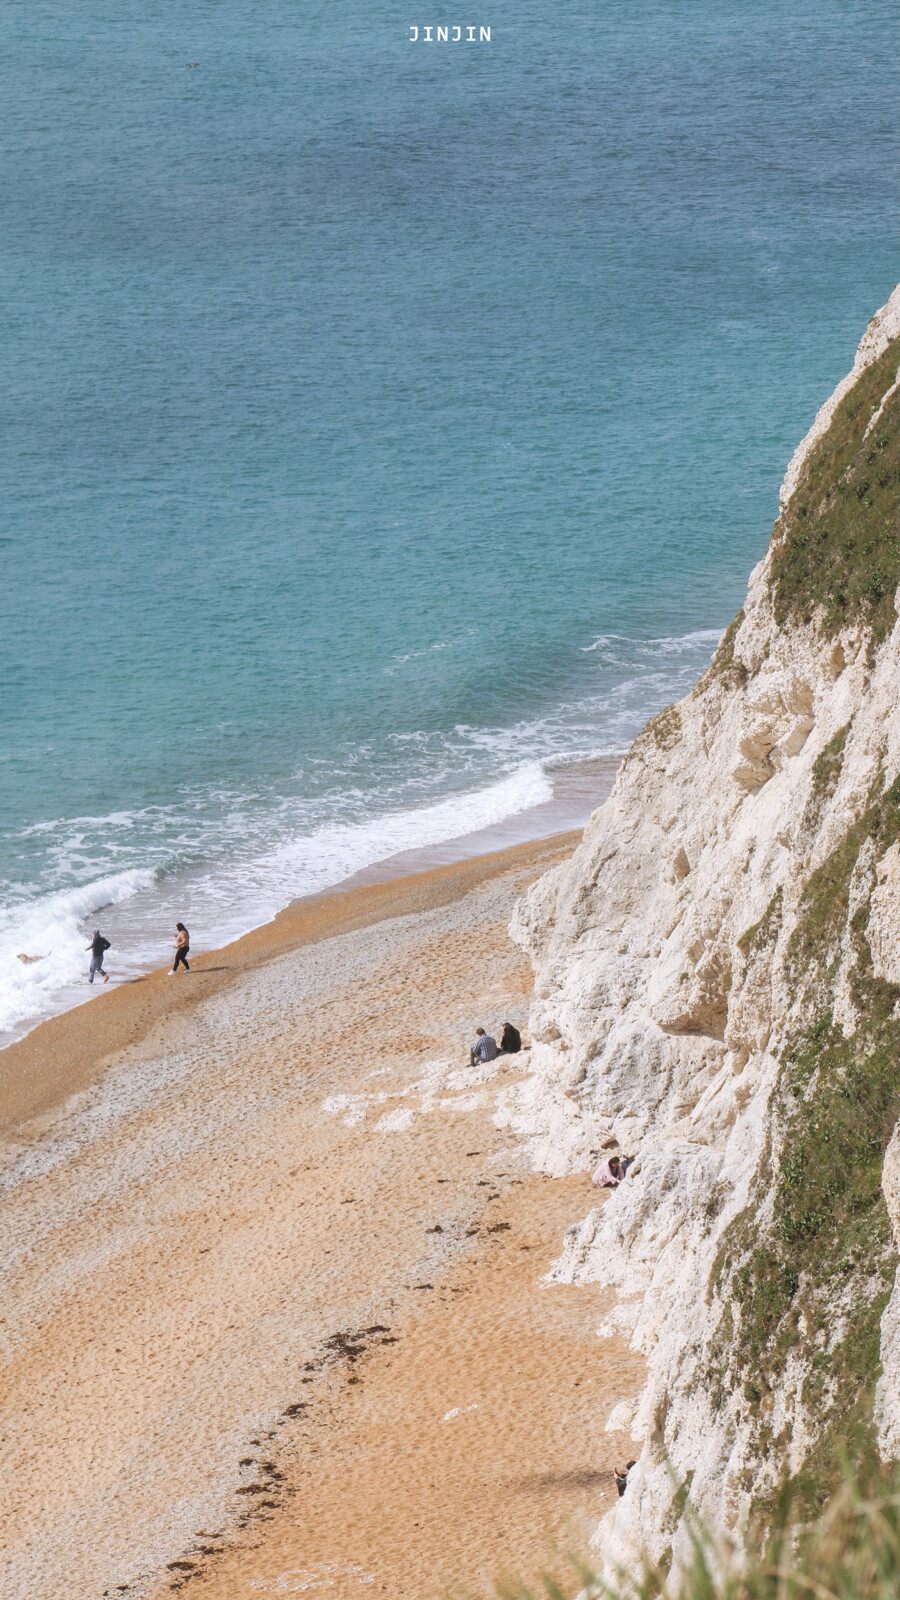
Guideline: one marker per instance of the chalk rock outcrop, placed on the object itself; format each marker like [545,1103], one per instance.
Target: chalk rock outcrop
[717,974]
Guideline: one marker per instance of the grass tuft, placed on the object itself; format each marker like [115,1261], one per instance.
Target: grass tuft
[725,663]
[836,545]
[808,1267]
[665,729]
[851,1553]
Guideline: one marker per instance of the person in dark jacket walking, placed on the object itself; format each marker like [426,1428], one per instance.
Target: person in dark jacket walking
[97,947]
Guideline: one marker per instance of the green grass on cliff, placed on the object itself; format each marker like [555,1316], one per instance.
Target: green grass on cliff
[807,1269]
[811,1272]
[826,774]
[836,546]
[724,663]
[765,931]
[804,1273]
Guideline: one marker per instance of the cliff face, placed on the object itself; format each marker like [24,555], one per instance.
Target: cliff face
[718,988]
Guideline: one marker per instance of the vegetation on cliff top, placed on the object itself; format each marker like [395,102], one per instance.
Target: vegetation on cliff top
[836,545]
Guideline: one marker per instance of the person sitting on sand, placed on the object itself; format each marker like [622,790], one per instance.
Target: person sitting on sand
[97,947]
[622,1478]
[484,1048]
[510,1040]
[182,946]
[608,1175]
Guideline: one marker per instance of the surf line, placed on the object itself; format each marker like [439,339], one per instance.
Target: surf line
[448,35]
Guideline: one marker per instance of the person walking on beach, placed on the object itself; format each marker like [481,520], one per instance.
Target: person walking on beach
[97,947]
[182,946]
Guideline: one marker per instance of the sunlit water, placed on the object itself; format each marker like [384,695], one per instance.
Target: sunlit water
[385,425]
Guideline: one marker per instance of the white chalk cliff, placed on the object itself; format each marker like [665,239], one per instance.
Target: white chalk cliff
[717,974]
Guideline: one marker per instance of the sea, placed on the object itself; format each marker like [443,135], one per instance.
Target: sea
[390,423]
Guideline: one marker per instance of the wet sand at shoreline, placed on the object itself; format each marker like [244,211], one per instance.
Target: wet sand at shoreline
[69,1051]
[141,927]
[250,1175]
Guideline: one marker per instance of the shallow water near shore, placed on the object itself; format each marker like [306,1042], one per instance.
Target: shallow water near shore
[389,429]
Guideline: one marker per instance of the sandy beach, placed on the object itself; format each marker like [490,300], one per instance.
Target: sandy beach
[274,1318]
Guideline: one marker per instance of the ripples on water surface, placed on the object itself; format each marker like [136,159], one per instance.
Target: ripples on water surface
[386,425]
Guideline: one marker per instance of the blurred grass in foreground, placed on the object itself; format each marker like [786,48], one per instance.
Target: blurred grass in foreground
[852,1553]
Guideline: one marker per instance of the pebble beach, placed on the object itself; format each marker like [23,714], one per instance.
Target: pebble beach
[274,1318]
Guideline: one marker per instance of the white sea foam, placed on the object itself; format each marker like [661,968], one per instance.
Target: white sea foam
[221,900]
[225,862]
[619,644]
[51,933]
[334,853]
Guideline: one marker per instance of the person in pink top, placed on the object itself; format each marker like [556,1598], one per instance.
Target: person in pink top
[609,1174]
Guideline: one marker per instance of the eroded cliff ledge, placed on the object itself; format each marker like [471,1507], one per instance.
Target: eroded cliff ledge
[718,986]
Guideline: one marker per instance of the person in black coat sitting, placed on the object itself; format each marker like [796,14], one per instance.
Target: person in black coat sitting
[511,1042]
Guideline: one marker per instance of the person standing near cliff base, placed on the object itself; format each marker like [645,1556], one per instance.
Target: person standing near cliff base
[97,947]
[182,946]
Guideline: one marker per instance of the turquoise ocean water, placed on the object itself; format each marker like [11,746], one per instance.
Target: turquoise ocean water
[387,426]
